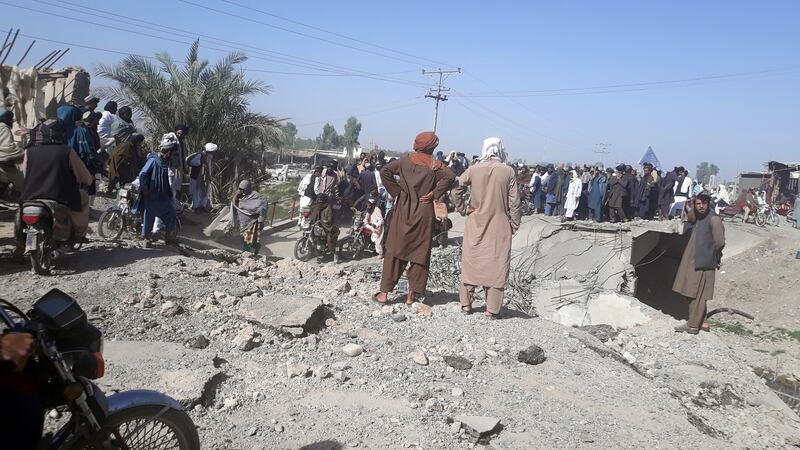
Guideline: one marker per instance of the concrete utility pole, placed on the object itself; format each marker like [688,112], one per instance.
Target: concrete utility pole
[602,149]
[440,89]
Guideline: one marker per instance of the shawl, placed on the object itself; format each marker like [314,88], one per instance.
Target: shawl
[155,175]
[705,255]
[251,207]
[78,137]
[122,130]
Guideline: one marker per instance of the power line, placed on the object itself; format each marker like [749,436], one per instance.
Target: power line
[299,33]
[296,22]
[369,113]
[281,60]
[646,85]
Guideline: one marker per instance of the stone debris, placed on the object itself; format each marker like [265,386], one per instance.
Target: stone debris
[245,339]
[418,358]
[352,350]
[532,355]
[170,309]
[422,309]
[479,426]
[457,362]
[399,317]
[199,342]
[297,370]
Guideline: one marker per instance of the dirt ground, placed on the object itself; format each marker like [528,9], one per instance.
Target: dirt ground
[181,321]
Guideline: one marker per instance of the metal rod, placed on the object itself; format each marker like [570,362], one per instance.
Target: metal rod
[5,43]
[47,59]
[41,61]
[10,47]
[56,60]
[26,52]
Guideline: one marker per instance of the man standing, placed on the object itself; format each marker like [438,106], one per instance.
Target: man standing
[617,190]
[642,194]
[597,194]
[322,213]
[156,192]
[410,234]
[697,270]
[667,192]
[373,221]
[199,164]
[126,163]
[248,214]
[105,126]
[122,128]
[550,182]
[536,189]
[493,216]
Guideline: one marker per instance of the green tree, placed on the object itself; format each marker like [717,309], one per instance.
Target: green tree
[212,100]
[289,134]
[704,172]
[329,139]
[352,128]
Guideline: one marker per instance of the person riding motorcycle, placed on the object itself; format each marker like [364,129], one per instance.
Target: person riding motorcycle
[54,171]
[322,213]
[747,203]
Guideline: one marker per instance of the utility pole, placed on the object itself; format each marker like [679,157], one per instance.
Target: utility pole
[438,96]
[602,149]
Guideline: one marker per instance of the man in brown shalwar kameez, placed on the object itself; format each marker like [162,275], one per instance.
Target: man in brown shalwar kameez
[493,216]
[409,237]
[697,270]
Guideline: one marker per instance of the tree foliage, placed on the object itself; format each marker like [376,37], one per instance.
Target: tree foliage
[329,139]
[352,128]
[704,172]
[212,100]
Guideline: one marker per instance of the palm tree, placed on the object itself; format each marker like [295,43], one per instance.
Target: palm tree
[211,100]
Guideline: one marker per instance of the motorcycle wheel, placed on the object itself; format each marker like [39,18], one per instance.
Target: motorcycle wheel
[303,249]
[349,248]
[773,220]
[41,262]
[139,429]
[110,224]
[761,220]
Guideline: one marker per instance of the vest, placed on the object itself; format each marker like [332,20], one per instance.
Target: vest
[50,177]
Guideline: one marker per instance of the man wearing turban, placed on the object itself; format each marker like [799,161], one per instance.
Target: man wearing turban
[493,216]
[410,232]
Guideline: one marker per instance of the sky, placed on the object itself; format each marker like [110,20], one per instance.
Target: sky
[715,81]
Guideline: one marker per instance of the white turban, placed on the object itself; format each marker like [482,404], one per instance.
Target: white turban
[493,149]
[169,140]
[211,147]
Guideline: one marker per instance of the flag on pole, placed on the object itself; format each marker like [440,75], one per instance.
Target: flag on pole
[650,157]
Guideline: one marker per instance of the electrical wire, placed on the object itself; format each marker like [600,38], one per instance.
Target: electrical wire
[640,86]
[280,60]
[295,32]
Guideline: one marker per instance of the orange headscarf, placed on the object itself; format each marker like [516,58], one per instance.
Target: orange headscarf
[424,145]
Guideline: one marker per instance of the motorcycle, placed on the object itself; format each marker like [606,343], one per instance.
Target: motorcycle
[312,242]
[48,233]
[526,200]
[735,213]
[358,241]
[67,357]
[122,217]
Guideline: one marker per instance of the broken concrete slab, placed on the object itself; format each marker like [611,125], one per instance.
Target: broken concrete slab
[618,310]
[478,426]
[187,375]
[283,312]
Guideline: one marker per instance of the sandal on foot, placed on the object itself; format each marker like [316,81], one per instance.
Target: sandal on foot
[375,298]
[466,310]
[686,329]
[491,316]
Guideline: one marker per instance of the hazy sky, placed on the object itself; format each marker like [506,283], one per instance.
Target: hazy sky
[714,81]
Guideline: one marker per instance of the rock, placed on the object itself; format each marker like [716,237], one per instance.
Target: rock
[170,309]
[297,370]
[252,431]
[399,317]
[343,287]
[340,365]
[293,331]
[387,310]
[532,355]
[279,311]
[200,342]
[418,358]
[433,405]
[279,428]
[245,339]
[457,392]
[602,331]
[457,362]
[422,309]
[330,322]
[230,403]
[478,426]
[629,357]
[352,350]
[340,376]
[320,372]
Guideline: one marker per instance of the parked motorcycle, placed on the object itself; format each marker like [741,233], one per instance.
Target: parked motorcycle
[358,241]
[48,233]
[733,212]
[121,217]
[67,356]
[312,242]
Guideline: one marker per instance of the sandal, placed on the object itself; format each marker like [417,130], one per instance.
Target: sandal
[466,310]
[382,302]
[491,316]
